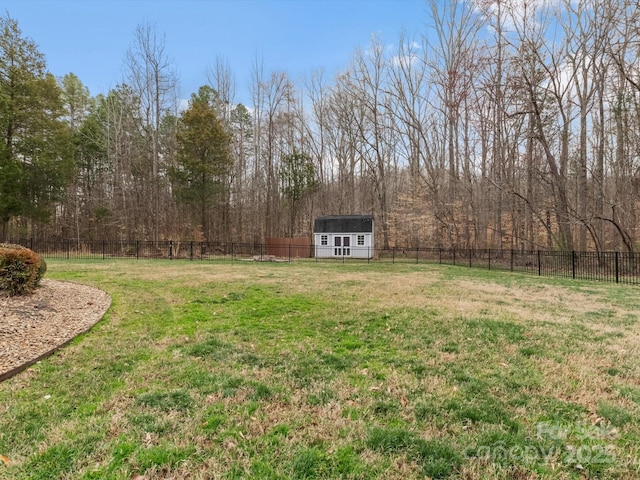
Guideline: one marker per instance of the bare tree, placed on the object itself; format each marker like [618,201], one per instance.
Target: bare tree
[452,61]
[273,100]
[411,92]
[152,76]
[368,78]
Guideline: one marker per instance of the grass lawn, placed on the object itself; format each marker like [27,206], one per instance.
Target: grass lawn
[322,370]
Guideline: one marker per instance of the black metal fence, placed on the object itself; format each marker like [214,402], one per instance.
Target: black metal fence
[618,267]
[615,267]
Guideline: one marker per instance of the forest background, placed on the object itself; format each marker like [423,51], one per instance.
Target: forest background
[508,124]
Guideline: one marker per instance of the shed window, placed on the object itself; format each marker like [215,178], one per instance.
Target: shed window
[360,240]
[324,240]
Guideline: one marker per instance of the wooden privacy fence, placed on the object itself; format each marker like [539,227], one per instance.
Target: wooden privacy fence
[617,267]
[297,247]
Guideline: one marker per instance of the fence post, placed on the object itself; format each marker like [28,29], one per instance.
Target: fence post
[573,264]
[289,252]
[539,264]
[489,258]
[103,249]
[470,258]
[417,255]
[191,250]
[512,259]
[68,249]
[454,256]
[170,249]
[440,256]
[617,267]
[393,255]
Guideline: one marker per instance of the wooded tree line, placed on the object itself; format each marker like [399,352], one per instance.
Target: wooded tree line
[506,124]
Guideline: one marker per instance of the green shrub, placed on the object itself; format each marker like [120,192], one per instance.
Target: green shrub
[21,269]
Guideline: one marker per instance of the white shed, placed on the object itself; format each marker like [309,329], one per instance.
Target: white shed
[344,236]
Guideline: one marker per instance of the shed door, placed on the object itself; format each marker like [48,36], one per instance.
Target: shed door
[345,243]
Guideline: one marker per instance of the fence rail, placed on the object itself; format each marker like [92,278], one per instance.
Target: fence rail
[617,267]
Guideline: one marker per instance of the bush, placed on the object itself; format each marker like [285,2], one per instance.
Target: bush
[21,269]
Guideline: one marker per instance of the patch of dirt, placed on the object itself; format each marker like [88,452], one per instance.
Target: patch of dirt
[34,326]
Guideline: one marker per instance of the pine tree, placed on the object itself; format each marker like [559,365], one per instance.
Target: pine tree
[204,164]
[35,160]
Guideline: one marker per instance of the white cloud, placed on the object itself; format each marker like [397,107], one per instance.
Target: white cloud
[515,13]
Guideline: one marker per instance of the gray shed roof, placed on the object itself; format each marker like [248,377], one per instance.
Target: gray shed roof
[344,224]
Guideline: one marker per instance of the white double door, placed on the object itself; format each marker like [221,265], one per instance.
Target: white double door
[342,246]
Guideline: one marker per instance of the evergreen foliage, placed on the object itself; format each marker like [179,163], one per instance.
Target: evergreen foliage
[35,155]
[201,175]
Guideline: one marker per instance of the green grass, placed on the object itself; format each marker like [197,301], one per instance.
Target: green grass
[314,370]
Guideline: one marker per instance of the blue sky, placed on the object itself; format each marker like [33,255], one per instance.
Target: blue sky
[90,37]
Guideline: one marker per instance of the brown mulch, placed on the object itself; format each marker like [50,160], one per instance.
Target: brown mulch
[34,326]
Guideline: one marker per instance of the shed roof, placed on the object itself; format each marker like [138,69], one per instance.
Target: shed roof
[344,224]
